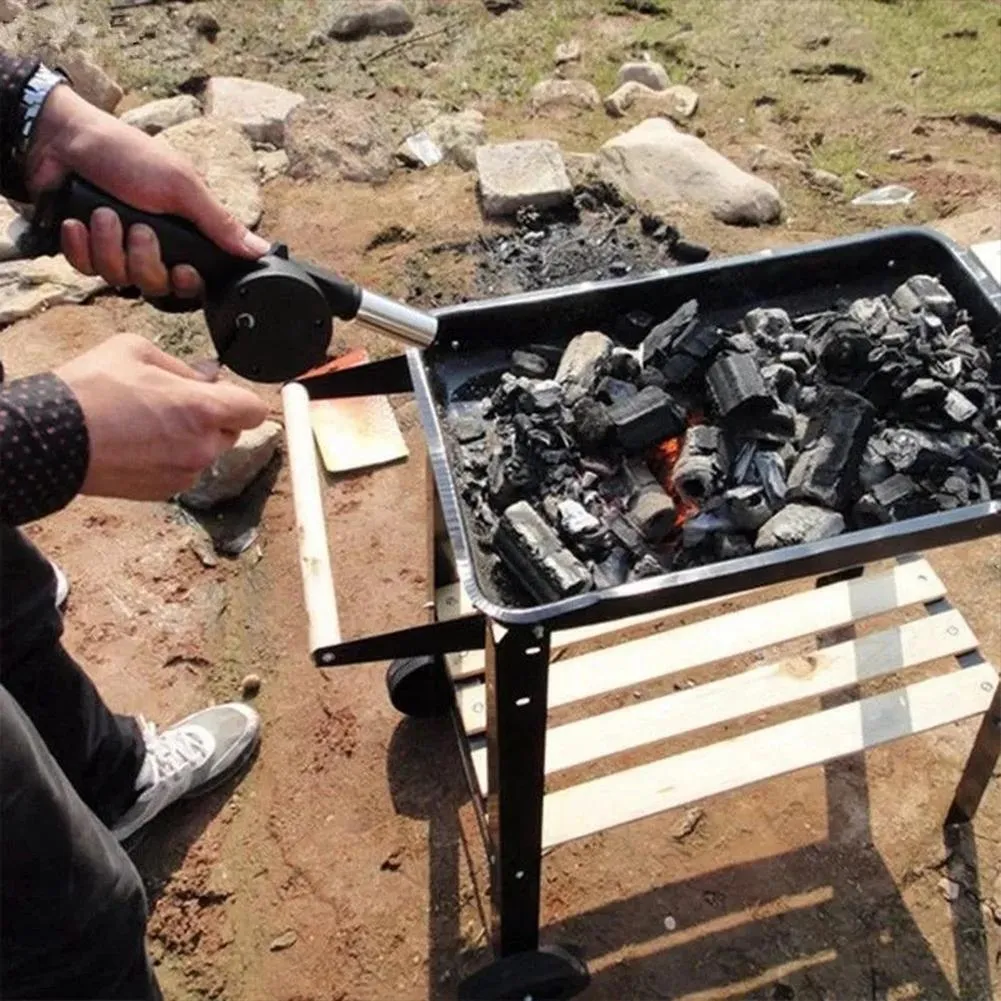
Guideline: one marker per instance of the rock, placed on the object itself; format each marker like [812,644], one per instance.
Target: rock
[528,174]
[344,138]
[419,150]
[11,225]
[27,287]
[825,179]
[458,136]
[555,95]
[251,686]
[88,79]
[659,168]
[284,941]
[647,71]
[502,6]
[260,109]
[678,102]
[688,823]
[567,52]
[896,154]
[950,889]
[156,116]
[891,194]
[369,17]
[204,23]
[222,154]
[769,158]
[582,168]
[10,10]
[272,163]
[235,469]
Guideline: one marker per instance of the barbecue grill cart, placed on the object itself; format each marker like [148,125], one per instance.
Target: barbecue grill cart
[493,667]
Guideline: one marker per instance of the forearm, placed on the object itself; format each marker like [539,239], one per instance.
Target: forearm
[44,448]
[15,72]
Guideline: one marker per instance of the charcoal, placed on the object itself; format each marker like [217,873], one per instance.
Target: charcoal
[509,475]
[922,394]
[894,489]
[795,360]
[624,364]
[696,473]
[947,370]
[895,336]
[530,364]
[844,349]
[613,569]
[628,535]
[735,384]
[731,546]
[591,423]
[775,423]
[552,353]
[646,419]
[611,390]
[874,468]
[982,460]
[653,377]
[872,315]
[542,395]
[581,529]
[867,512]
[748,507]
[652,512]
[741,343]
[922,292]
[781,380]
[912,451]
[468,428]
[584,362]
[646,566]
[767,324]
[631,328]
[533,551]
[771,473]
[799,523]
[958,408]
[686,252]
[793,341]
[827,469]
[957,487]
[677,370]
[658,345]
[806,398]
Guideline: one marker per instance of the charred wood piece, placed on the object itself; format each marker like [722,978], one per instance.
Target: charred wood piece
[650,509]
[547,569]
[923,292]
[586,359]
[828,467]
[696,473]
[767,325]
[736,385]
[748,507]
[591,424]
[658,344]
[611,390]
[646,419]
[799,523]
[582,531]
[529,364]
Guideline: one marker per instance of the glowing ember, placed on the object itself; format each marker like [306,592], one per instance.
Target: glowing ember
[663,459]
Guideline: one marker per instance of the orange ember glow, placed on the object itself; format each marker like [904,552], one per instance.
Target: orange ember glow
[663,458]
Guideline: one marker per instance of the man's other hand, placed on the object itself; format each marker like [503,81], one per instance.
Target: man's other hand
[153,422]
[75,137]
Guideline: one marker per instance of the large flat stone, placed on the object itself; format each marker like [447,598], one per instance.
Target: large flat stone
[27,287]
[343,138]
[260,109]
[558,96]
[236,469]
[656,166]
[222,154]
[156,116]
[528,174]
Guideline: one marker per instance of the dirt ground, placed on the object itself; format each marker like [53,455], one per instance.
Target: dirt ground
[347,864]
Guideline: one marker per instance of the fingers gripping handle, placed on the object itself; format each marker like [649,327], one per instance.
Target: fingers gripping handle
[314,552]
[180,241]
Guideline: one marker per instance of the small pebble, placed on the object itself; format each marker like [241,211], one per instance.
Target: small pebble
[669,923]
[284,941]
[950,888]
[251,685]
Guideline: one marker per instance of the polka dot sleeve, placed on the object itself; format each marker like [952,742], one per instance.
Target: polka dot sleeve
[44,450]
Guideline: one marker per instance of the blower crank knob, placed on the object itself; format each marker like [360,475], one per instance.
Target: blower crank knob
[271,324]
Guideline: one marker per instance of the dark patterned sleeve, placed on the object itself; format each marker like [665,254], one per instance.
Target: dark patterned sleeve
[44,449]
[15,72]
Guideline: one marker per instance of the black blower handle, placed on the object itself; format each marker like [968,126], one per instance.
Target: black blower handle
[180,242]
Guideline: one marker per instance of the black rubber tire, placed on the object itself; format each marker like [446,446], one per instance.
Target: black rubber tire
[419,686]
[551,973]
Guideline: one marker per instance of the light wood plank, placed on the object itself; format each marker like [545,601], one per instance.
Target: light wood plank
[757,690]
[640,792]
[452,600]
[637,661]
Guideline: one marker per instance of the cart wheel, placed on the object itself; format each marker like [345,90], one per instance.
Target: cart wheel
[419,686]
[551,973]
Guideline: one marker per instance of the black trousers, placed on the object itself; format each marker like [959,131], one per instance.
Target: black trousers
[72,906]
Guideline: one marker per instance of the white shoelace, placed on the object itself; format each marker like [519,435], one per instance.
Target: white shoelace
[170,754]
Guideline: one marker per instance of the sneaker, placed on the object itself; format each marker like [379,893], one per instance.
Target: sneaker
[189,759]
[62,585]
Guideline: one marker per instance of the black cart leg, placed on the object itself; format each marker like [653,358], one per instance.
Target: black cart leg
[517,664]
[979,766]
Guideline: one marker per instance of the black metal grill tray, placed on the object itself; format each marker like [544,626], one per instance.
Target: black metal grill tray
[475,339]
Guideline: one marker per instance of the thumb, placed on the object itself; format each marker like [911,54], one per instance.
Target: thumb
[197,203]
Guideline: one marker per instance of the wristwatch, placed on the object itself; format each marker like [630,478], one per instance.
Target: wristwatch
[33,97]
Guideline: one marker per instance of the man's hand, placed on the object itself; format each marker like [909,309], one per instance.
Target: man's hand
[153,423]
[73,136]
